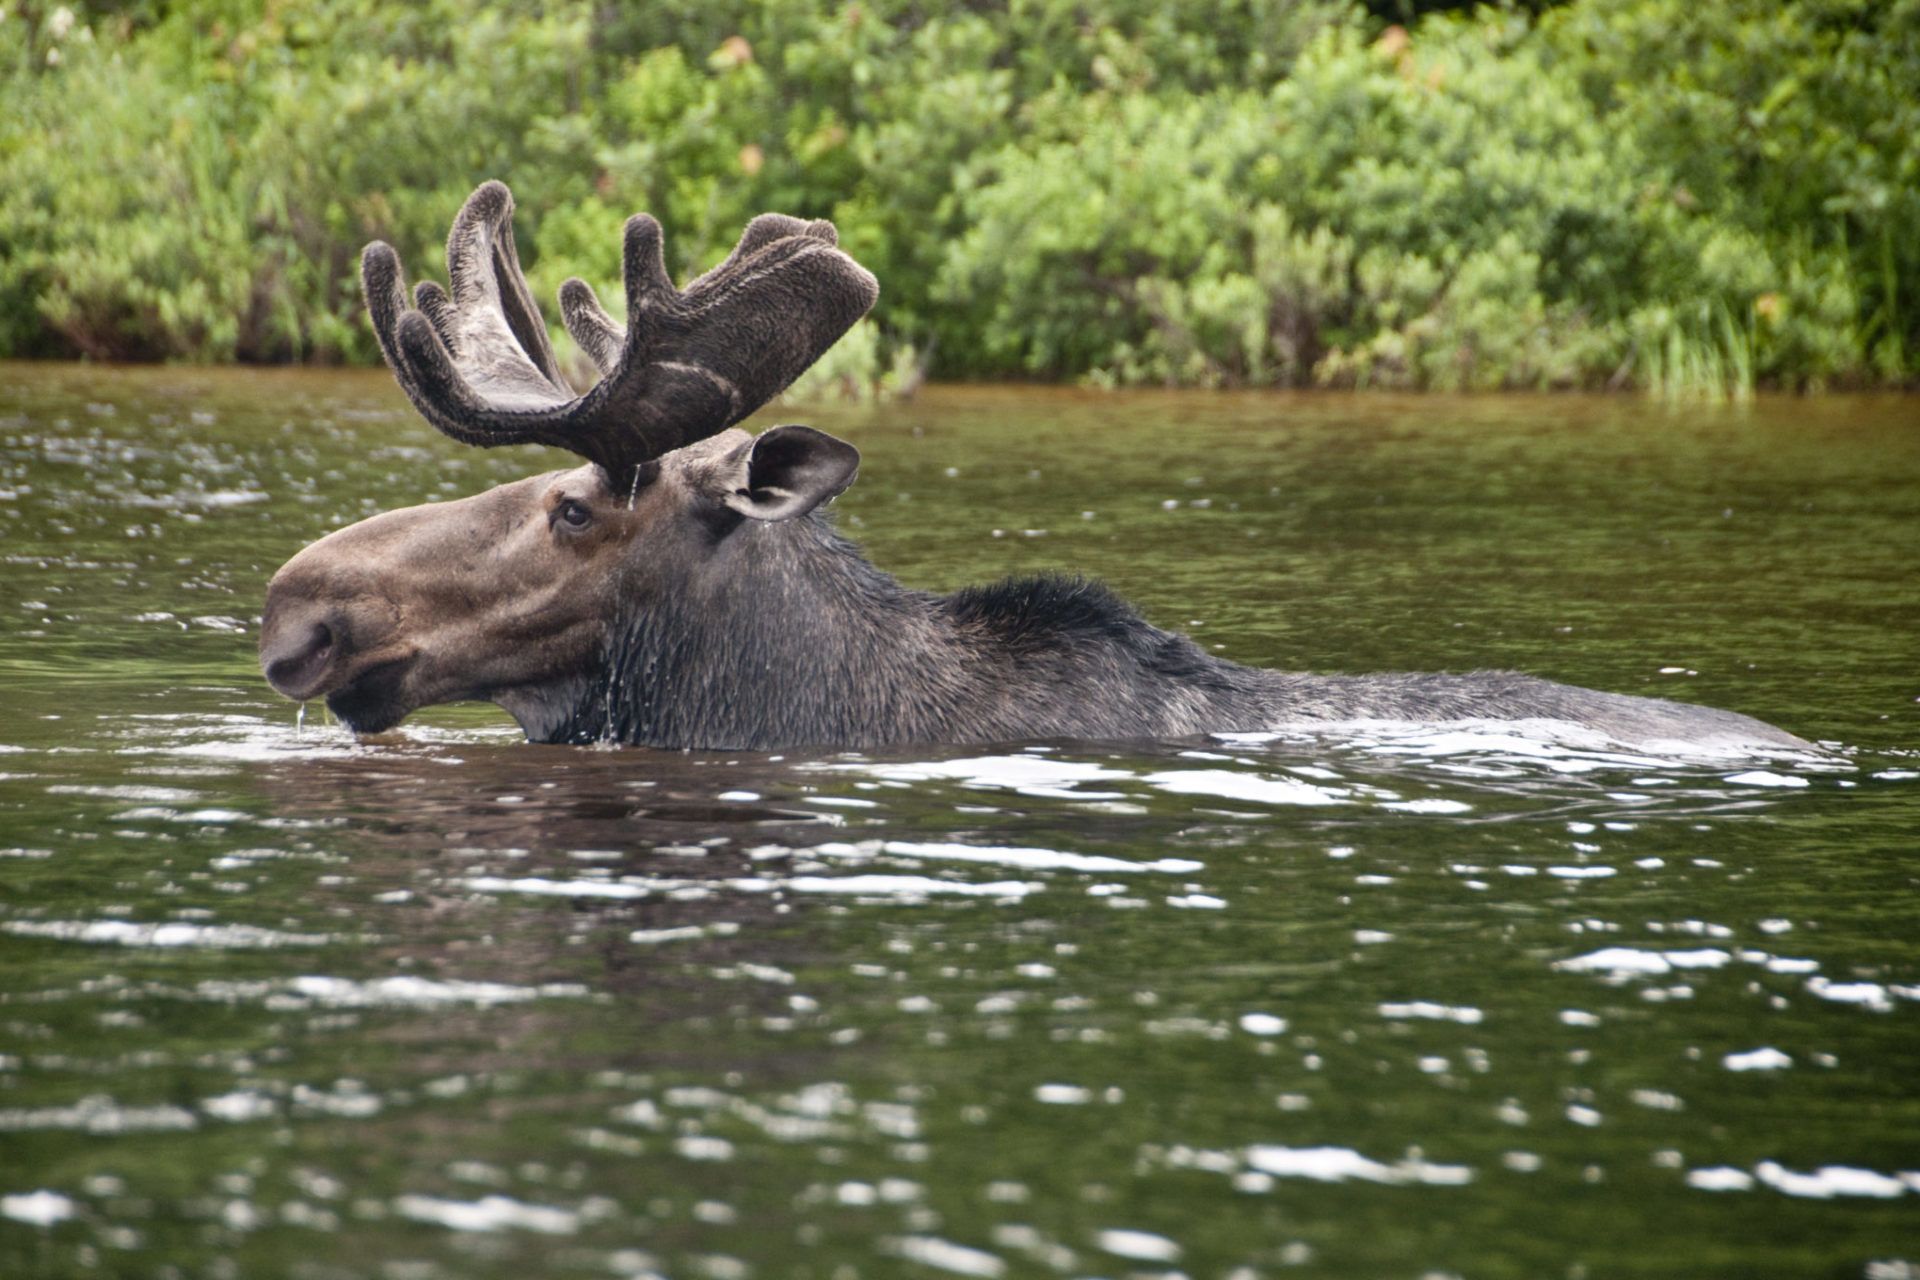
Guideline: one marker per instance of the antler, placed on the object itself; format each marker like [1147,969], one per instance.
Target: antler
[477,364]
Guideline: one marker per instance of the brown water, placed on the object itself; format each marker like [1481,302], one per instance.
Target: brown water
[1398,1003]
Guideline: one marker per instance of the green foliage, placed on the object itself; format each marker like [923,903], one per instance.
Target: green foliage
[1692,198]
[1789,145]
[1472,207]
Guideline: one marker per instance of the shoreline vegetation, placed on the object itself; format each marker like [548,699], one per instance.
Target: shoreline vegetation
[1688,199]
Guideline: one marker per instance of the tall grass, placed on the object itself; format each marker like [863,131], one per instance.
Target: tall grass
[1704,356]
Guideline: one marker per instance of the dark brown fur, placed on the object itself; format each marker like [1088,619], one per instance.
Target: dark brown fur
[714,607]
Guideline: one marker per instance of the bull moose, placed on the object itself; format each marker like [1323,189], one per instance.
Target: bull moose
[684,589]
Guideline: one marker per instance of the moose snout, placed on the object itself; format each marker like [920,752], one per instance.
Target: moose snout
[300,642]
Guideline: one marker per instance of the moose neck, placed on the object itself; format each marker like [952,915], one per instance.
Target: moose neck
[787,636]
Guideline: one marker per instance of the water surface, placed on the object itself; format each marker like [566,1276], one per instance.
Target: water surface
[1385,1003]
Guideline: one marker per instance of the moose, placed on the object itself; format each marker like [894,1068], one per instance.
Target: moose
[684,589]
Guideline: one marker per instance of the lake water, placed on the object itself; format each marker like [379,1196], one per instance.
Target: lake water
[1392,1003]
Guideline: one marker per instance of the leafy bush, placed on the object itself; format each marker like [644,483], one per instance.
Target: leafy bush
[1788,141]
[1234,192]
[1470,207]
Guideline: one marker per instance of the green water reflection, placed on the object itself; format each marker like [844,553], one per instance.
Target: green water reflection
[1393,1004]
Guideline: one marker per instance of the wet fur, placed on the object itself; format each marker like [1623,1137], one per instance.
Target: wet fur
[794,638]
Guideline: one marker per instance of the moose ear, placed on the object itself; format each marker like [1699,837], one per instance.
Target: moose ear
[788,471]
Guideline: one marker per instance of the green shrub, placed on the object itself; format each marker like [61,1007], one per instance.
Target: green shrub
[1691,198]
[1440,215]
[1797,123]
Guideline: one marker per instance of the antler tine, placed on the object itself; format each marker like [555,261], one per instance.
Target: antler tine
[649,289]
[596,333]
[761,232]
[756,321]
[483,267]
[602,337]
[477,364]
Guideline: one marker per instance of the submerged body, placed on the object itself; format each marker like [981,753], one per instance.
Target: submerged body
[672,619]
[875,664]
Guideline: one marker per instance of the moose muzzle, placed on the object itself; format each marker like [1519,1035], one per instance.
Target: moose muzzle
[299,643]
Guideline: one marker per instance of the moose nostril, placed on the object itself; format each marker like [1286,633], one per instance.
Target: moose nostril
[295,663]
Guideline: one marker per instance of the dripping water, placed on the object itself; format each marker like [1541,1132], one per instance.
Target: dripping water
[609,734]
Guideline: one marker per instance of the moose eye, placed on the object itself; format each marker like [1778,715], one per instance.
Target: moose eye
[573,514]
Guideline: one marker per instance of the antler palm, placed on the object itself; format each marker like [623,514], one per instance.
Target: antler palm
[689,362]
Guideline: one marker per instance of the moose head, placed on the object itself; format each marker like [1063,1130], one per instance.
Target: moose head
[513,595]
